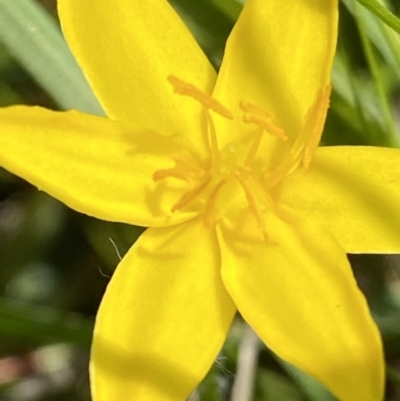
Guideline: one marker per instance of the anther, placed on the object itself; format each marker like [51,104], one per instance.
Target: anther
[254,109]
[185,89]
[263,119]
[315,118]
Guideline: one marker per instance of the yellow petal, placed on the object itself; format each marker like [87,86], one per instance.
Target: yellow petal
[163,318]
[278,56]
[93,165]
[298,293]
[355,193]
[127,49]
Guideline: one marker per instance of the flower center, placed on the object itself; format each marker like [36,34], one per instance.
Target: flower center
[231,178]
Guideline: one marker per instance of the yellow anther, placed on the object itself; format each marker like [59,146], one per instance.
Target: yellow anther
[254,109]
[265,124]
[263,119]
[185,89]
[314,125]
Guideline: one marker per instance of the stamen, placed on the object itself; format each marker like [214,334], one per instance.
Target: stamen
[188,197]
[208,213]
[185,89]
[254,109]
[215,155]
[161,174]
[256,198]
[315,118]
[274,177]
[191,166]
[266,125]
[253,149]
[183,170]
[263,119]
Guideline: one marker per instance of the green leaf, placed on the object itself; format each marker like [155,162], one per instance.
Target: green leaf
[33,38]
[384,38]
[25,321]
[393,376]
[382,13]
[230,8]
[372,60]
[310,387]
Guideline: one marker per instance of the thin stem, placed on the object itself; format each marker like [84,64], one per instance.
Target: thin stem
[243,387]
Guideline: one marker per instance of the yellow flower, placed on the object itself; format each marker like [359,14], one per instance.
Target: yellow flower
[245,212]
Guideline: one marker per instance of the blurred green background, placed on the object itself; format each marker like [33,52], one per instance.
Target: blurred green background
[55,263]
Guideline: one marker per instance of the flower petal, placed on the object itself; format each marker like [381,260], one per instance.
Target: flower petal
[355,193]
[127,50]
[278,56]
[298,293]
[163,318]
[92,164]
